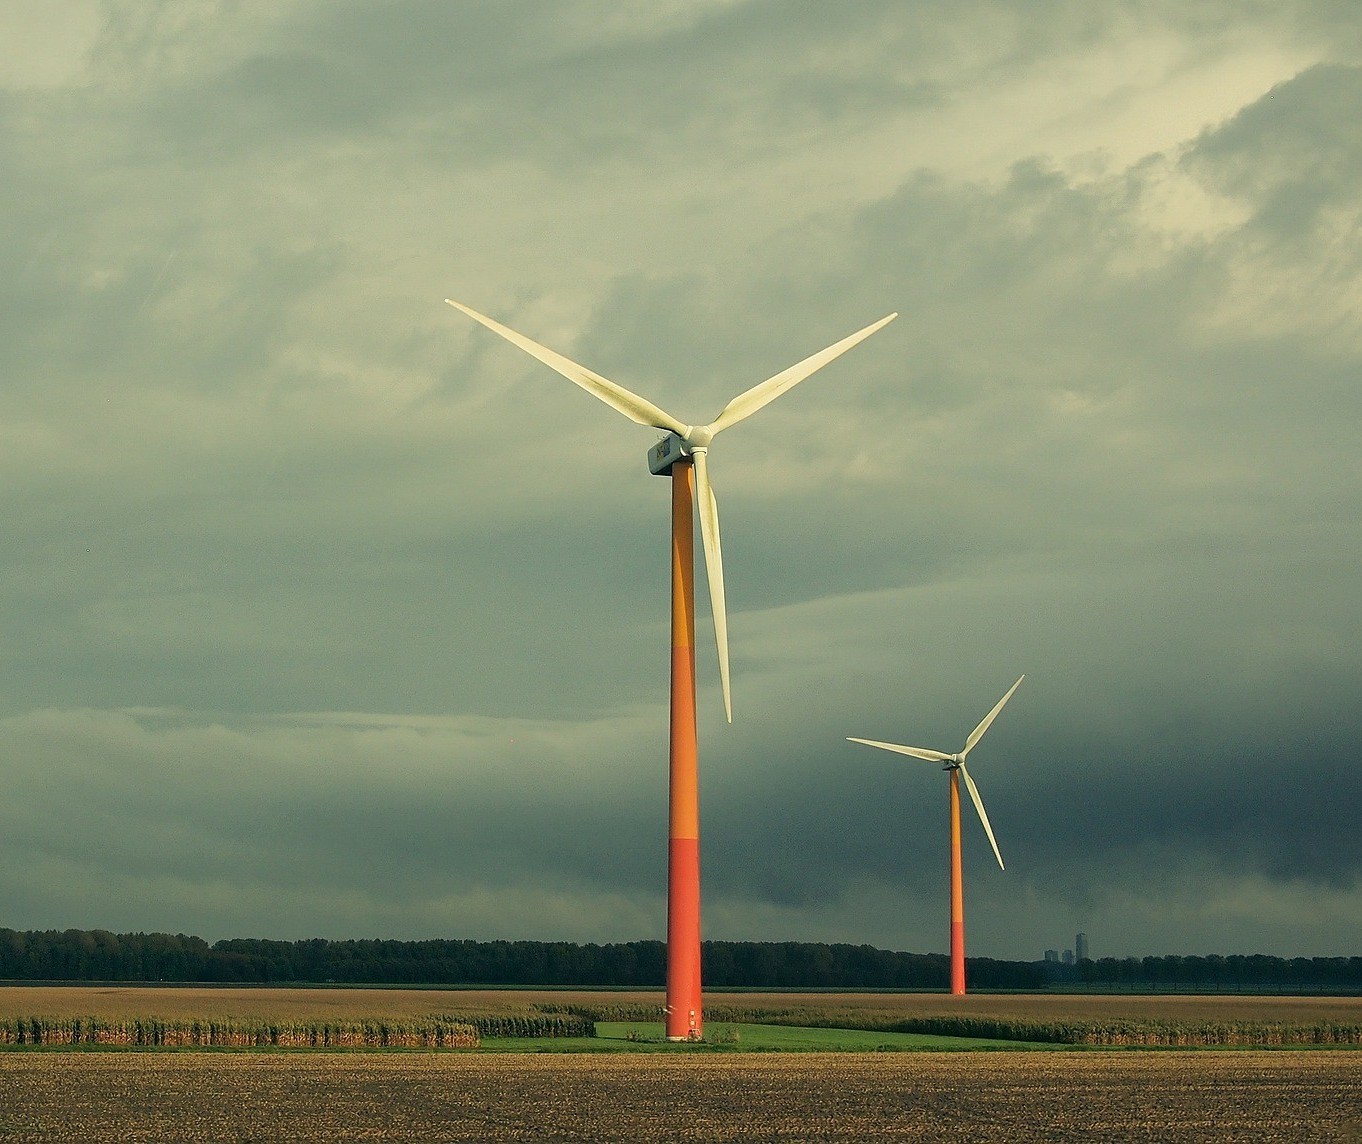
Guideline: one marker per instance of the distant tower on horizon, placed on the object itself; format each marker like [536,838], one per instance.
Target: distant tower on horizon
[1081,947]
[1052,955]
[1068,957]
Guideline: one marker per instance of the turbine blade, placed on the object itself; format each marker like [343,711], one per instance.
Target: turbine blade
[983,816]
[633,406]
[714,567]
[978,732]
[745,404]
[916,752]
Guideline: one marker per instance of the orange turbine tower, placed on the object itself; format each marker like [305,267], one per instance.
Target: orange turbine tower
[955,766]
[683,455]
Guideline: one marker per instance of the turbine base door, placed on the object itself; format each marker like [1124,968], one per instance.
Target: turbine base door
[663,455]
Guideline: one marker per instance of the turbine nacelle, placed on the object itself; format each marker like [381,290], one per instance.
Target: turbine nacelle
[675,447]
[663,455]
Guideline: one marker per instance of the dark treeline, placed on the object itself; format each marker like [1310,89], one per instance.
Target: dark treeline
[1214,971]
[97,955]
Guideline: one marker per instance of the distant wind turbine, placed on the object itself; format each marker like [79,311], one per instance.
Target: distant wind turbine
[684,456]
[955,764]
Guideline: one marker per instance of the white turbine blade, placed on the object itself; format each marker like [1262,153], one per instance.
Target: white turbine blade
[714,567]
[916,752]
[983,816]
[745,404]
[978,732]
[633,406]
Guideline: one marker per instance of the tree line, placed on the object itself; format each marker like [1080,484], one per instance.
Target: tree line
[98,955]
[1217,971]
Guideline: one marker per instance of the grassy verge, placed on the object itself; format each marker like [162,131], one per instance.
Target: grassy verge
[649,1037]
[1107,1031]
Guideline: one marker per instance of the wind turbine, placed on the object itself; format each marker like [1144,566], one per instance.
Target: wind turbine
[955,764]
[683,454]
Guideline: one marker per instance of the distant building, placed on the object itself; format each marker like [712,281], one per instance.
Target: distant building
[1081,947]
[1068,957]
[1052,955]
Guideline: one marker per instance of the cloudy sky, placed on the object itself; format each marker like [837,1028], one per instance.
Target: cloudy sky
[327,612]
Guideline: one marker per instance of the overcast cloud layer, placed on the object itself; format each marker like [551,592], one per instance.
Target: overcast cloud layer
[326,612]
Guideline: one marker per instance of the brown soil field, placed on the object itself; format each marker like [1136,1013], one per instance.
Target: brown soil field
[172,1002]
[284,1004]
[982,1097]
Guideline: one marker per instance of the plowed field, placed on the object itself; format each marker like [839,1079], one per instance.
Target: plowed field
[1257,1096]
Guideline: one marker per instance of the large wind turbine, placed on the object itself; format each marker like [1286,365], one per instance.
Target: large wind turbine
[684,456]
[955,764]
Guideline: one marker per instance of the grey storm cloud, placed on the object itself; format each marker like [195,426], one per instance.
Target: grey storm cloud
[327,612]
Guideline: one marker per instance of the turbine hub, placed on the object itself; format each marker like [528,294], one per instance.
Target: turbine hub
[698,437]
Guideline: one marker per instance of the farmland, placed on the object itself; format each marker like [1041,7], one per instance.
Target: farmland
[319,1017]
[196,1096]
[358,1003]
[791,1090]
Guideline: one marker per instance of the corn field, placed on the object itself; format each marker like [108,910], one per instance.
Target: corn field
[528,1025]
[435,1033]
[149,1017]
[444,1031]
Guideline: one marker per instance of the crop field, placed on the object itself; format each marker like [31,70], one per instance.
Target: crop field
[1111,1096]
[453,1018]
[176,1002]
[1039,1007]
[289,1004]
[760,1081]
[262,1018]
